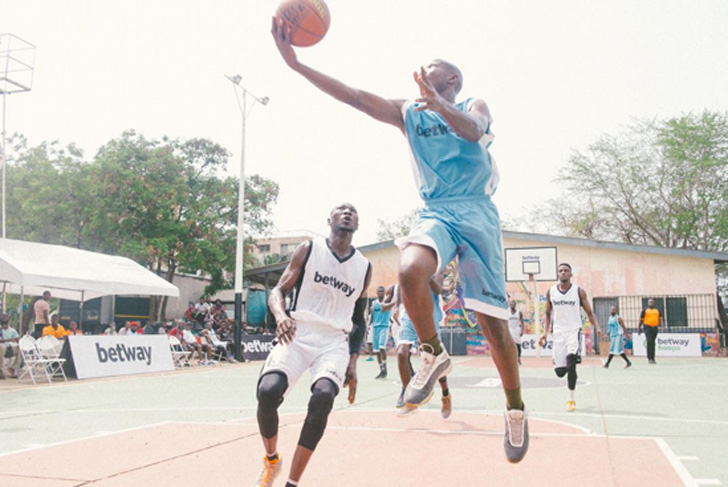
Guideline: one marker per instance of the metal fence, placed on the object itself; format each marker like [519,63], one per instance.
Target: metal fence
[694,313]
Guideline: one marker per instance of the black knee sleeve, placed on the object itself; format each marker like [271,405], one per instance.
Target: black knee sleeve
[271,388]
[571,361]
[323,393]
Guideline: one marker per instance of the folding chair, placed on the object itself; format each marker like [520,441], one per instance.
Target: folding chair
[180,356]
[34,366]
[50,349]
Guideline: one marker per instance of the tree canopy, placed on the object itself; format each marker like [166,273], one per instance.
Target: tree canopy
[164,203]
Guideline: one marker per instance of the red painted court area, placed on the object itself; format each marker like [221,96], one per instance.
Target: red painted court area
[359,448]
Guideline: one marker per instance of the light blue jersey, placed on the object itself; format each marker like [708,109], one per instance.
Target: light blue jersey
[379,317]
[456,178]
[616,345]
[445,164]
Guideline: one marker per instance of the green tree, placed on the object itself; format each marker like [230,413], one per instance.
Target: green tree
[48,195]
[164,203]
[395,228]
[662,183]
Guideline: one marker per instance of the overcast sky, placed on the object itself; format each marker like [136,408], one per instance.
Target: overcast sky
[556,75]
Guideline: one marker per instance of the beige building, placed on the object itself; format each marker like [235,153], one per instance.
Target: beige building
[682,281]
[281,245]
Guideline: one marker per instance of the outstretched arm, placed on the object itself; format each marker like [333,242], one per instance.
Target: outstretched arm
[382,109]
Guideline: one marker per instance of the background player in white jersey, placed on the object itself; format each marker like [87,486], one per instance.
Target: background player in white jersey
[379,312]
[564,302]
[456,177]
[516,325]
[407,338]
[322,332]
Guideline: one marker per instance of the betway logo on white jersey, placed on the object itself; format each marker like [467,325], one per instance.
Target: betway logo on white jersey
[329,287]
[335,283]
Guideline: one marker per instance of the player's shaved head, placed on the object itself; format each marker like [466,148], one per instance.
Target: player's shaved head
[452,69]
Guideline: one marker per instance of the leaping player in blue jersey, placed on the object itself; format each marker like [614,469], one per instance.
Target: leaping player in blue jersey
[456,178]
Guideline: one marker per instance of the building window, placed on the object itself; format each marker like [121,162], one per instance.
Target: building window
[284,249]
[263,248]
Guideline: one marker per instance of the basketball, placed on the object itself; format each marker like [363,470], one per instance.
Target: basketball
[309,20]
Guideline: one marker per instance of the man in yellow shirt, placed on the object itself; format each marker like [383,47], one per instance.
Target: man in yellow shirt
[55,328]
[651,319]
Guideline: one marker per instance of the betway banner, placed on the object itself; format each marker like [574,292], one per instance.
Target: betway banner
[669,345]
[108,355]
[529,345]
[257,347]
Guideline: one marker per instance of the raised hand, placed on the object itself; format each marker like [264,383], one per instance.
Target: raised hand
[281,32]
[429,99]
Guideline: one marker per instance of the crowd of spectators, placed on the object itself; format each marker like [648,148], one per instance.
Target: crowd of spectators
[206,331]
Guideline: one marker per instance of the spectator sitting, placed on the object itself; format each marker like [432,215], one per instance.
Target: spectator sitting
[8,347]
[226,332]
[126,329]
[190,343]
[73,329]
[135,327]
[55,329]
[151,328]
[218,307]
[216,344]
[190,312]
[177,329]
[201,310]
[110,330]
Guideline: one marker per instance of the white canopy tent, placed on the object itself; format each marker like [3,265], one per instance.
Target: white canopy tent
[79,275]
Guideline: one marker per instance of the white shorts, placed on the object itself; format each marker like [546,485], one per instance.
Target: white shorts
[566,343]
[321,348]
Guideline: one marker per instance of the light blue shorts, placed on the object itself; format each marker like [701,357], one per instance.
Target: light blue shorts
[380,334]
[407,332]
[617,344]
[468,228]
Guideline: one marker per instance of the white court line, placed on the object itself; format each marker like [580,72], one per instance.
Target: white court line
[689,459]
[680,469]
[36,446]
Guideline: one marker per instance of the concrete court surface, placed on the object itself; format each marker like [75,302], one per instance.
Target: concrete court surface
[658,425]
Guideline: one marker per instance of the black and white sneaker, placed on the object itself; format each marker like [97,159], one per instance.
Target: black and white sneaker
[419,390]
[516,437]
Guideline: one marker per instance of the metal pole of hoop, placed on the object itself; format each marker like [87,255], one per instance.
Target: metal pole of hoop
[536,313]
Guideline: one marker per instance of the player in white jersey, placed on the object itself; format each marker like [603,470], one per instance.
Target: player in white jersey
[322,332]
[456,177]
[564,302]
[516,326]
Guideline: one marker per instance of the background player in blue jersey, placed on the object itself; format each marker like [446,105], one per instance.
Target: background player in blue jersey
[379,312]
[456,177]
[617,333]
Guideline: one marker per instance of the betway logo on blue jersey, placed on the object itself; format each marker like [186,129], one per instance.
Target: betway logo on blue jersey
[335,283]
[434,131]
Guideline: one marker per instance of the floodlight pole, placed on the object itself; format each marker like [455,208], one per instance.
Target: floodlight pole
[2,155]
[239,247]
[536,314]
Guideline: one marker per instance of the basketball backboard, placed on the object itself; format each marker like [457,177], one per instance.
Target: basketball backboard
[539,261]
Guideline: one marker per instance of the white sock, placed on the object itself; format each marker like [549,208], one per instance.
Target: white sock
[292,482]
[571,395]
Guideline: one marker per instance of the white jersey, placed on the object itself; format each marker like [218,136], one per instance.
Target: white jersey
[329,287]
[514,325]
[565,309]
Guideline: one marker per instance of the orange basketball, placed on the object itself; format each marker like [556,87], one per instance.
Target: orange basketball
[309,20]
